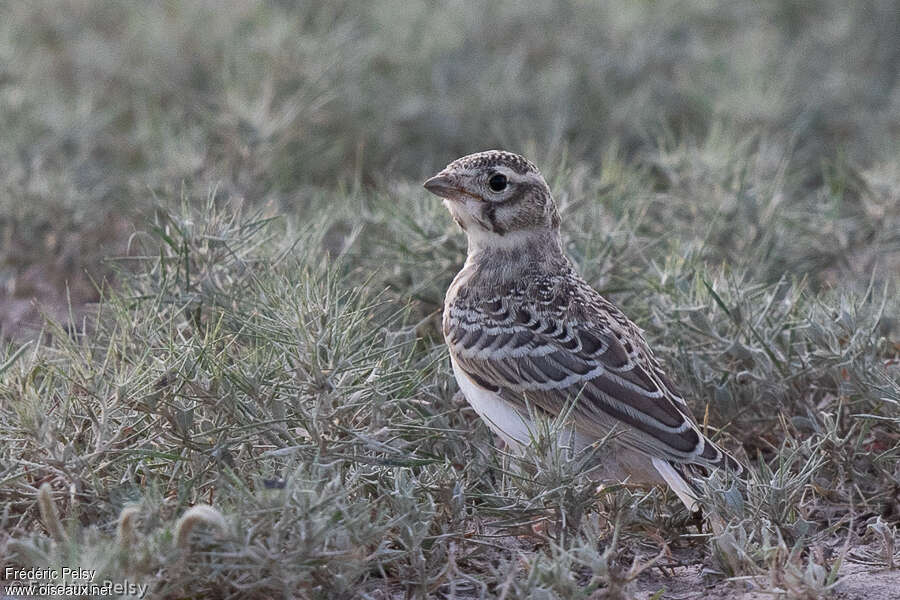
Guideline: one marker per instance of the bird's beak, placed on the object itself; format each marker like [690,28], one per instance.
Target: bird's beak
[441,185]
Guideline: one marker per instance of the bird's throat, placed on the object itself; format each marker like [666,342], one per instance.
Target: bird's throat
[497,260]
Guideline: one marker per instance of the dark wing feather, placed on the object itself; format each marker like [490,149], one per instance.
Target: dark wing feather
[552,361]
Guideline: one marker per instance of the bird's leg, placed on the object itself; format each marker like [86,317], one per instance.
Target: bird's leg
[698,520]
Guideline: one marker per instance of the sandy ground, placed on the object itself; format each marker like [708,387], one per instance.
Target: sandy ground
[857,581]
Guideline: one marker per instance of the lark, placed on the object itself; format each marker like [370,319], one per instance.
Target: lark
[528,335]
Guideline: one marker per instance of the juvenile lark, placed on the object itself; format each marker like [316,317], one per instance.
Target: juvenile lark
[524,329]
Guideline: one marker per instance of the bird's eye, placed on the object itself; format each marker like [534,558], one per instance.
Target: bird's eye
[497,182]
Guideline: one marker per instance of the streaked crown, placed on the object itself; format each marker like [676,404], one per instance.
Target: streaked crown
[493,158]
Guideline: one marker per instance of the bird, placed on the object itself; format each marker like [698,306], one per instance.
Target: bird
[528,335]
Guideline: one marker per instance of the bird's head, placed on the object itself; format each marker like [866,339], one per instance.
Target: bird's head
[496,196]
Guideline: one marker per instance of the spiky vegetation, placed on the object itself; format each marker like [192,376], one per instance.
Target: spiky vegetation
[240,388]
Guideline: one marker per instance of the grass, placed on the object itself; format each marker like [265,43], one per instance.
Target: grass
[235,384]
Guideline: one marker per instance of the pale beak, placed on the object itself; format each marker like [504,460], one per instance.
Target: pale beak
[448,186]
[442,185]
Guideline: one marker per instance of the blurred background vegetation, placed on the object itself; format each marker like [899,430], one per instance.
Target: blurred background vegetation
[727,172]
[108,106]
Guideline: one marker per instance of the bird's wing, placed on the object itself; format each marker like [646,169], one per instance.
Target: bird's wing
[551,362]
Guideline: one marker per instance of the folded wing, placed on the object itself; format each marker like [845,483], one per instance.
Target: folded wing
[554,361]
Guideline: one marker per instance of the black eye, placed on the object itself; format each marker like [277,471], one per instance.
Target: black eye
[497,182]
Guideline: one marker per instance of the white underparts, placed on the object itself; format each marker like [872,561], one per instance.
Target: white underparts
[506,421]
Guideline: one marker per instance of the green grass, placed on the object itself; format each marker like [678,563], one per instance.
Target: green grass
[220,212]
